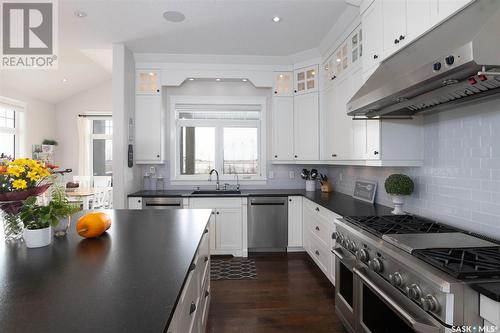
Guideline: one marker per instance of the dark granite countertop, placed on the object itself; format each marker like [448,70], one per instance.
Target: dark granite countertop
[488,289]
[128,280]
[342,204]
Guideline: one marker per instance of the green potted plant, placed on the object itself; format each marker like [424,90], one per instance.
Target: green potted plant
[399,186]
[38,220]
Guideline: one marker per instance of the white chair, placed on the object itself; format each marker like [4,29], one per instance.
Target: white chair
[98,200]
[102,181]
[84,181]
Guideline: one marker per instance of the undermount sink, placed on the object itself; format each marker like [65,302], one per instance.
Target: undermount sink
[215,192]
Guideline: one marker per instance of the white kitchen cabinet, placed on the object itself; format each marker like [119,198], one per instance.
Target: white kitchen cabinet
[149,130]
[227,229]
[306,80]
[306,127]
[282,129]
[227,224]
[394,25]
[283,84]
[443,9]
[134,203]
[294,222]
[339,124]
[372,24]
[418,17]
[147,82]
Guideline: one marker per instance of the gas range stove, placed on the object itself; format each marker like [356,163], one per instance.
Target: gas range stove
[431,264]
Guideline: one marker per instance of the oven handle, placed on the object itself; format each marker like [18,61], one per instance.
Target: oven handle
[419,327]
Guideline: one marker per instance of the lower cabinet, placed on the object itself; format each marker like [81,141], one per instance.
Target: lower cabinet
[134,203]
[227,224]
[318,231]
[191,312]
[295,223]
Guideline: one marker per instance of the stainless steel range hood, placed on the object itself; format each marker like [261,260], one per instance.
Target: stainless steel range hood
[439,70]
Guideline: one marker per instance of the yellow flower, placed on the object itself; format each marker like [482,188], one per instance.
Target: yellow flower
[19,184]
[15,170]
[33,176]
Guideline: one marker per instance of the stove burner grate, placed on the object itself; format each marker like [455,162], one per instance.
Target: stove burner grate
[464,263]
[398,224]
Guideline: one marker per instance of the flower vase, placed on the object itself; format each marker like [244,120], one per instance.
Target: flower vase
[62,228]
[12,227]
[37,237]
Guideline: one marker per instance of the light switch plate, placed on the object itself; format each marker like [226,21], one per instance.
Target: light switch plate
[291,174]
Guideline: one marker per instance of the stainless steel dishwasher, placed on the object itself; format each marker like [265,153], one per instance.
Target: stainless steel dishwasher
[161,203]
[267,224]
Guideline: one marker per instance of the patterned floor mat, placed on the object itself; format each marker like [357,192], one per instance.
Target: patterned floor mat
[232,269]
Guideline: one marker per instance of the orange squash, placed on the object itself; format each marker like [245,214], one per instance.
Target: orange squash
[93,224]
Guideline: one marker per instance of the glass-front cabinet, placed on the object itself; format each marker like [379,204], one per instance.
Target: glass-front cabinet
[306,80]
[148,82]
[283,84]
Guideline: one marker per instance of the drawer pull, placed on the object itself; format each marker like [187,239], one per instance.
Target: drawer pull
[206,231]
[317,252]
[192,308]
[192,267]
[207,293]
[317,209]
[206,259]
[317,228]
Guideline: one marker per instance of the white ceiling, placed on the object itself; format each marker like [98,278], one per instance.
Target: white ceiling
[235,27]
[224,27]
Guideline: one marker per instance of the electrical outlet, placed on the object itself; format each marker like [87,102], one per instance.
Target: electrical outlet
[291,174]
[271,174]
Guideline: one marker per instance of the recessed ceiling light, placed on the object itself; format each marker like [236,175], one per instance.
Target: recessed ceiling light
[191,79]
[244,80]
[281,76]
[80,13]
[151,74]
[276,19]
[65,80]
[217,79]
[338,60]
[174,16]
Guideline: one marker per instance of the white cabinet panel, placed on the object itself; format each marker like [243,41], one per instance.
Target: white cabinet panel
[306,127]
[283,84]
[135,203]
[373,35]
[147,82]
[228,229]
[295,221]
[282,128]
[394,25]
[341,125]
[329,123]
[148,129]
[418,18]
[446,8]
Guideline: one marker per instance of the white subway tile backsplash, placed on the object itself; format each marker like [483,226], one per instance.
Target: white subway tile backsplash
[459,183]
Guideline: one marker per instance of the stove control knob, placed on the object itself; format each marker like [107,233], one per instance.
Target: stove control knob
[362,255]
[415,292]
[376,265]
[352,246]
[429,303]
[396,279]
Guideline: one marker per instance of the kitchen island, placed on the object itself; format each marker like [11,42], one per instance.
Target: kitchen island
[131,279]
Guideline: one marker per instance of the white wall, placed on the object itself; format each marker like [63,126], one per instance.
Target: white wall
[39,119]
[94,100]
[125,180]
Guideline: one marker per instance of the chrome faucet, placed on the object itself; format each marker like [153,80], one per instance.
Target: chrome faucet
[217,185]
[237,182]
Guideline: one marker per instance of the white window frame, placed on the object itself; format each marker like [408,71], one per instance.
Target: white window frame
[174,136]
[18,130]
[93,137]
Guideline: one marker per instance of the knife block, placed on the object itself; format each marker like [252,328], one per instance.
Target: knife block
[326,187]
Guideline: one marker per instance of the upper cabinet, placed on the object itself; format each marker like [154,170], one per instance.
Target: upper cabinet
[283,84]
[373,35]
[147,82]
[149,130]
[394,25]
[442,9]
[306,127]
[306,80]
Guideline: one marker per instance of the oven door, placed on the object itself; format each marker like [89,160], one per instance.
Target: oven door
[383,308]
[345,288]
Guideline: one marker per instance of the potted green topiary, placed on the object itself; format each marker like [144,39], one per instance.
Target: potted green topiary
[399,186]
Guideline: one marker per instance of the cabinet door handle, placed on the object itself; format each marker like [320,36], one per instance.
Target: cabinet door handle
[207,293]
[139,201]
[333,77]
[375,56]
[396,41]
[157,155]
[206,259]
[317,252]
[296,156]
[401,37]
[375,152]
[317,209]
[217,213]
[290,200]
[192,308]
[192,267]
[206,231]
[317,228]
[275,91]
[334,155]
[275,156]
[213,213]
[295,91]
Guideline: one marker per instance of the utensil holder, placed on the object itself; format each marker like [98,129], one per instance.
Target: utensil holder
[310,185]
[326,187]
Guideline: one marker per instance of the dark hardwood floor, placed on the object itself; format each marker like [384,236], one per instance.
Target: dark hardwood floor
[290,295]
